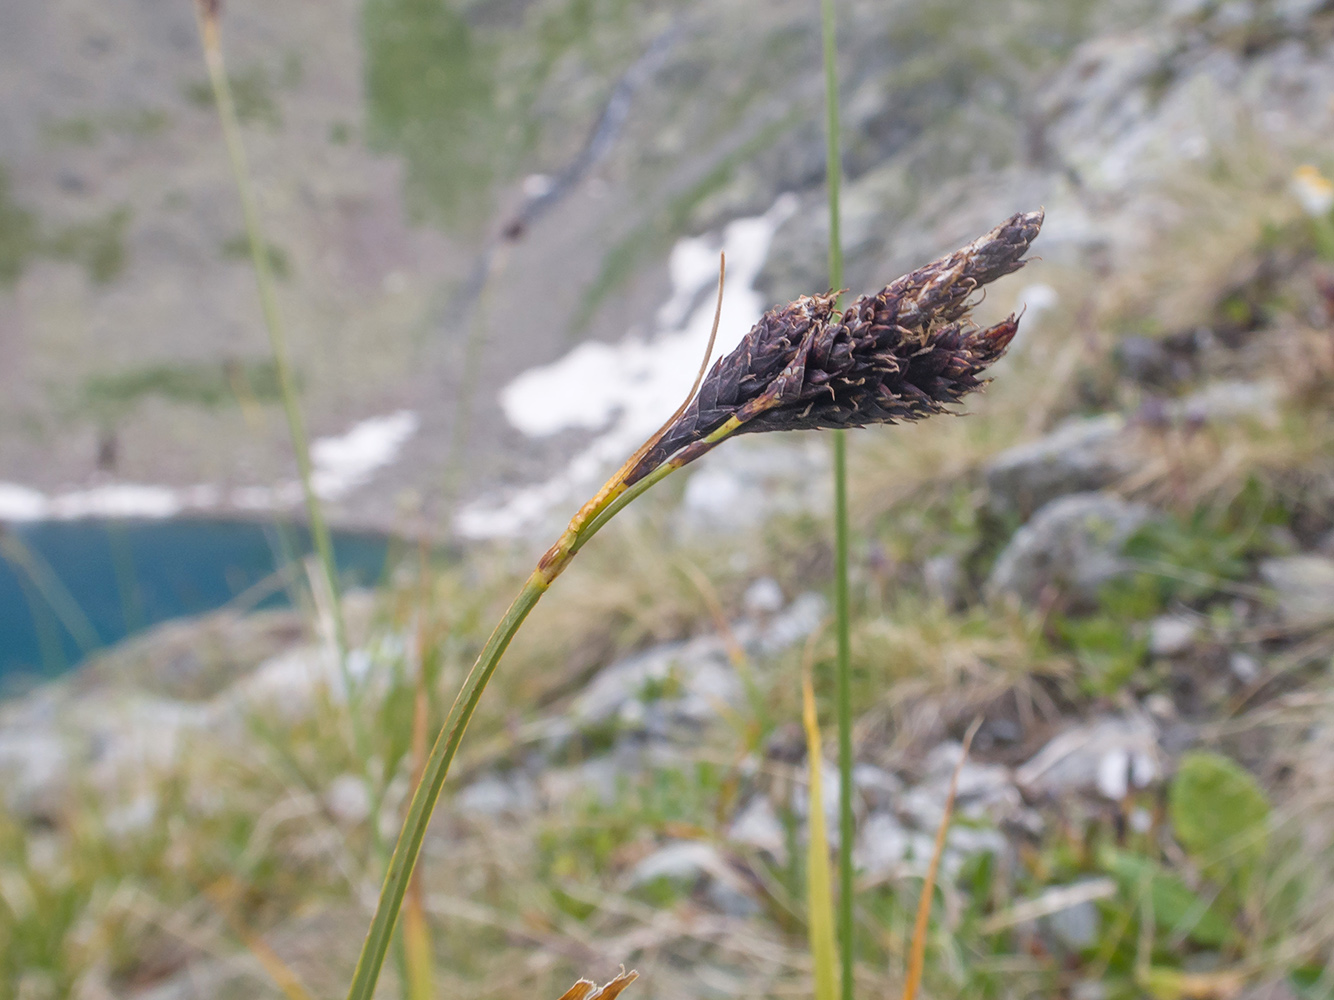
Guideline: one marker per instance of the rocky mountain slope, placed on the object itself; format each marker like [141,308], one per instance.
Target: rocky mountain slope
[1122,561]
[396,146]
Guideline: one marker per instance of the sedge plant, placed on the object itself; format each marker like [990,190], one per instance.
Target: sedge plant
[842,618]
[904,353]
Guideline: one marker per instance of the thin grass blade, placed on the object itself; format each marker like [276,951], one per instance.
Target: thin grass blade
[917,952]
[819,882]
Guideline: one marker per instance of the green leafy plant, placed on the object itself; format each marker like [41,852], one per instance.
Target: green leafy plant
[1176,909]
[1221,817]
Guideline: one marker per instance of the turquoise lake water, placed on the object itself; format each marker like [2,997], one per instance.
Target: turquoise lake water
[69,587]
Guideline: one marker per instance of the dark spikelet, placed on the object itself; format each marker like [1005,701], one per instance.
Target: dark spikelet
[905,353]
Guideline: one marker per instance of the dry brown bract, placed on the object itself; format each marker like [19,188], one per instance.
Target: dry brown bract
[905,353]
[586,990]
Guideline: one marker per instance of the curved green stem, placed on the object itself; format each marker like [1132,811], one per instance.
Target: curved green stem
[612,499]
[428,790]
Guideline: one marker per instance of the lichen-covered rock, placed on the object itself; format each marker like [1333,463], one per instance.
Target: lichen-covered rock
[1078,457]
[1303,589]
[1109,756]
[1072,547]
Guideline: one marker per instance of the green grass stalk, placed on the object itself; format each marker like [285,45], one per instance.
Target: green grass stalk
[49,587]
[843,628]
[207,11]
[268,301]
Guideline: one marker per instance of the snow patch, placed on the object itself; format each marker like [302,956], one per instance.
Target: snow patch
[344,463]
[341,464]
[18,503]
[116,500]
[626,390]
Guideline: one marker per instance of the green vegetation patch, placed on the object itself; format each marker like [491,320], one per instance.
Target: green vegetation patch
[206,384]
[1196,560]
[238,248]
[18,234]
[87,129]
[430,89]
[252,93]
[98,245]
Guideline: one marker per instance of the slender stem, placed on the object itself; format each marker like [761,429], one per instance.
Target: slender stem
[611,499]
[846,823]
[833,171]
[428,790]
[268,302]
[49,586]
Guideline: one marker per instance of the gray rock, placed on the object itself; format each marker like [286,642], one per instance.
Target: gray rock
[34,773]
[791,625]
[886,849]
[757,826]
[730,897]
[596,779]
[55,741]
[1147,360]
[1303,589]
[348,800]
[1072,544]
[1075,928]
[1172,635]
[675,685]
[879,789]
[764,596]
[1110,756]
[1244,667]
[871,206]
[1079,456]
[1089,989]
[193,659]
[943,577]
[801,802]
[1227,401]
[984,791]
[689,862]
[497,795]
[758,480]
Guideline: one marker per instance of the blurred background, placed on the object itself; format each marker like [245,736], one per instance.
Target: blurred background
[494,228]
